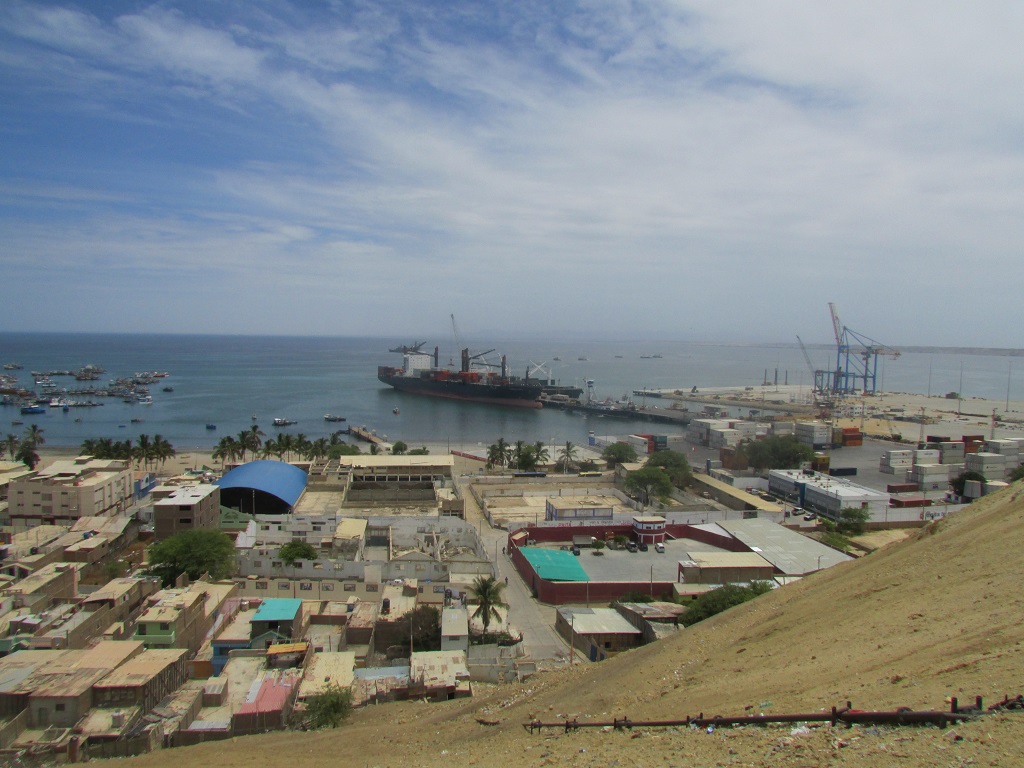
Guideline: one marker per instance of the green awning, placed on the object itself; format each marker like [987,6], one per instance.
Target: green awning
[555,564]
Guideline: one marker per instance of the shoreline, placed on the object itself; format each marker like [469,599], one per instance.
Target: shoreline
[944,416]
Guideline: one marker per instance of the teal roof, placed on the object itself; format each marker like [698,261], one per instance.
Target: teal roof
[555,564]
[278,609]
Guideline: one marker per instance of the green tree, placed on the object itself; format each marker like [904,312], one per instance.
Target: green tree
[343,449]
[34,435]
[421,451]
[27,454]
[777,452]
[567,456]
[1017,474]
[851,521]
[487,591]
[425,628]
[618,453]
[721,599]
[329,708]
[398,448]
[958,482]
[296,550]
[11,442]
[648,482]
[192,552]
[674,464]
[318,448]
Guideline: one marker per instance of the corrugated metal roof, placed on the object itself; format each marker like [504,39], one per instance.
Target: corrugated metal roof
[789,551]
[274,477]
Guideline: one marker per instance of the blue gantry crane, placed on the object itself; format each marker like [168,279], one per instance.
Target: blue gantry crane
[856,368]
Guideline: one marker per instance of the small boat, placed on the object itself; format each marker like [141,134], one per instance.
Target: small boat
[78,420]
[211,426]
[136,421]
[31,410]
[556,359]
[254,417]
[582,359]
[395,411]
[17,423]
[329,417]
[168,389]
[284,422]
[13,366]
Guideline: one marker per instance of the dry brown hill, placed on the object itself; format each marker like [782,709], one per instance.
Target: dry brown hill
[937,615]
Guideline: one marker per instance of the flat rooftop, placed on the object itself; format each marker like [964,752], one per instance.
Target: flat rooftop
[789,551]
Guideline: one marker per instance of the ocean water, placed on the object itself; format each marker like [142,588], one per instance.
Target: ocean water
[225,380]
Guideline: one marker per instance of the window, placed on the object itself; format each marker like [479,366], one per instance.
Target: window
[327,587]
[185,521]
[276,564]
[141,629]
[257,564]
[306,586]
[350,587]
[164,626]
[261,585]
[284,585]
[58,707]
[372,587]
[438,589]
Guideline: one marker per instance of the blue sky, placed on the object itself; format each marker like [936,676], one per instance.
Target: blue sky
[684,170]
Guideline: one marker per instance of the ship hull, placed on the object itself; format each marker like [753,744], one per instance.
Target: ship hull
[526,395]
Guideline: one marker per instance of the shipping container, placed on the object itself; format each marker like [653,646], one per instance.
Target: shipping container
[901,488]
[842,471]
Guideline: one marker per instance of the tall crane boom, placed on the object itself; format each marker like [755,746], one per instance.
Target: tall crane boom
[837,325]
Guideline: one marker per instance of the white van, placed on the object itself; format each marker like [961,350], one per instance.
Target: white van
[659,547]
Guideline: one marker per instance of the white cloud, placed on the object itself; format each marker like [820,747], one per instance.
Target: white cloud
[697,165]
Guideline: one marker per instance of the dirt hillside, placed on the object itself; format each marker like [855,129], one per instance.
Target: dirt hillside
[939,614]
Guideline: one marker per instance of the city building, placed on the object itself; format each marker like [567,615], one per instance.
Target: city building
[188,507]
[67,490]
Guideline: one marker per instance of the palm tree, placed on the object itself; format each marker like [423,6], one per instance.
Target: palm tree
[567,456]
[242,441]
[144,451]
[226,450]
[517,454]
[494,455]
[285,446]
[11,443]
[162,450]
[269,448]
[540,452]
[302,445]
[254,439]
[318,448]
[34,435]
[27,454]
[487,591]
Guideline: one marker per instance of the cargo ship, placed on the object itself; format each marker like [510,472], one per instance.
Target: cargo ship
[420,374]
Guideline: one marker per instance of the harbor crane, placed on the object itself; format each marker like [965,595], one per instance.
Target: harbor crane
[856,368]
[822,398]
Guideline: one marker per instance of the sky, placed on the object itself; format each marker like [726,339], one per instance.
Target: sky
[714,171]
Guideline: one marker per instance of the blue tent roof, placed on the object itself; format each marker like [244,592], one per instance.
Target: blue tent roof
[274,477]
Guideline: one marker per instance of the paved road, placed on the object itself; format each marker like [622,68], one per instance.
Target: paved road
[534,620]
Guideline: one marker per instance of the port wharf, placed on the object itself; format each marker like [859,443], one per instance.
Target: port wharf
[729,401]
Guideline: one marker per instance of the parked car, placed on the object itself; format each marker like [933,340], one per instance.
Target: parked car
[642,546]
[810,516]
[659,547]
[576,550]
[631,546]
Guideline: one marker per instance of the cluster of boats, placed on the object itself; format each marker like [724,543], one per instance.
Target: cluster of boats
[48,394]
